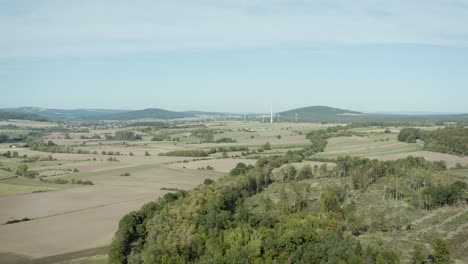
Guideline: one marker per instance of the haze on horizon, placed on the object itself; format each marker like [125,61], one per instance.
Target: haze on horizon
[229,56]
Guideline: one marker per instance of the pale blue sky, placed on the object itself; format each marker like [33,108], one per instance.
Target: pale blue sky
[238,56]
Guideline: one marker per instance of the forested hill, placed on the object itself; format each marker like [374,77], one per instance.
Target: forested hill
[4,115]
[330,114]
[320,114]
[306,215]
[59,114]
[150,113]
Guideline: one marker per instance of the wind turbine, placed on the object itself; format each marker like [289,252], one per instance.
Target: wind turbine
[271,115]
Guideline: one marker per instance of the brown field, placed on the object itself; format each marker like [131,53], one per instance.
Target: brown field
[451,160]
[71,221]
[223,165]
[27,123]
[85,217]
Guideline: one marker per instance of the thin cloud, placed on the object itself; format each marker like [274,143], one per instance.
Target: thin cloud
[89,28]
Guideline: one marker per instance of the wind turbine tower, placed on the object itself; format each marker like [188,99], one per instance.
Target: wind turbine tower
[296,117]
[278,117]
[271,115]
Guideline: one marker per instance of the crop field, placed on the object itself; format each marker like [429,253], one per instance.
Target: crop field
[126,174]
[375,145]
[84,217]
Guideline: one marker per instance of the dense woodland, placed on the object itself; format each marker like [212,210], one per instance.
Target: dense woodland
[453,140]
[215,223]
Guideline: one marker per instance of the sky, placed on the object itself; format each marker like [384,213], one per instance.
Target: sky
[237,56]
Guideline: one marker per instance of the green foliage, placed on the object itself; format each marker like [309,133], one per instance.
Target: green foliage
[409,135]
[49,147]
[305,172]
[205,135]
[234,221]
[240,168]
[267,146]
[22,170]
[185,153]
[132,228]
[157,138]
[418,256]
[125,135]
[452,140]
[225,140]
[332,199]
[441,251]
[445,195]
[318,142]
[288,173]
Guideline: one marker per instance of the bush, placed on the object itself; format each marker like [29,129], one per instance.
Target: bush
[17,221]
[185,153]
[208,181]
[22,170]
[157,138]
[225,140]
[305,172]
[240,168]
[267,146]
[125,135]
[125,174]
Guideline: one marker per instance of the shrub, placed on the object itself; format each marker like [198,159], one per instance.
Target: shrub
[185,153]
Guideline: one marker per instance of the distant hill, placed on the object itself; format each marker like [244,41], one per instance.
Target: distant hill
[320,114]
[153,113]
[63,114]
[304,114]
[330,114]
[4,115]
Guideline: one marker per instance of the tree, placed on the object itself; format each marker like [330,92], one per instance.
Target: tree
[379,259]
[125,135]
[289,173]
[267,146]
[418,256]
[3,138]
[305,172]
[441,251]
[330,201]
[22,170]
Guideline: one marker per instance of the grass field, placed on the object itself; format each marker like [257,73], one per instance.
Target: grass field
[365,146]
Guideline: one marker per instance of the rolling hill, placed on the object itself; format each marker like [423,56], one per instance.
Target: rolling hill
[153,113]
[330,114]
[62,114]
[4,115]
[320,114]
[304,114]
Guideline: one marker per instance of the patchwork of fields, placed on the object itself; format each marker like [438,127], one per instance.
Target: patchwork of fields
[66,217]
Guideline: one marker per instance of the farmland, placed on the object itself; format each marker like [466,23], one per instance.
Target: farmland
[81,196]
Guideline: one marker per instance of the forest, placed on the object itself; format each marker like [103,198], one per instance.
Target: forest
[452,140]
[216,224]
